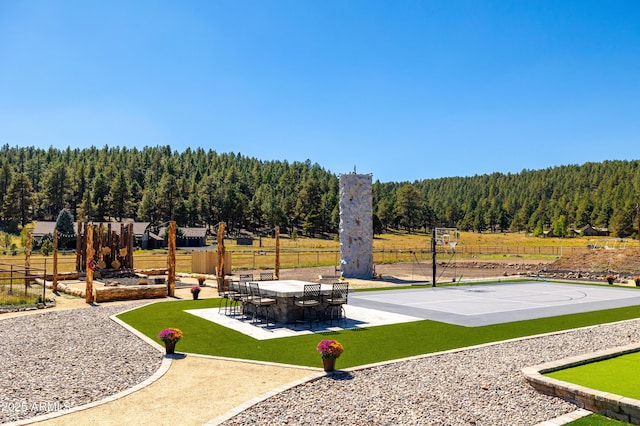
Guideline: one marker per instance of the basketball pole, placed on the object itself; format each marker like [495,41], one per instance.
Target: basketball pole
[433,250]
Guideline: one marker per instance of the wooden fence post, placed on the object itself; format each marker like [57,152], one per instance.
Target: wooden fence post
[171,272]
[54,284]
[277,266]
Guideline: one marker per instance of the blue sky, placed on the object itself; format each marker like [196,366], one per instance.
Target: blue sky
[405,90]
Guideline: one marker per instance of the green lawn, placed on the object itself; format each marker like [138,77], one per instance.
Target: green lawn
[362,346]
[617,375]
[596,420]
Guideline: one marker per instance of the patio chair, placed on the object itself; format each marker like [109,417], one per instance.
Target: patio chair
[240,297]
[262,305]
[246,277]
[266,276]
[226,294]
[336,300]
[309,301]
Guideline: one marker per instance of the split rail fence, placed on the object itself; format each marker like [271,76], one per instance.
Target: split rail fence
[17,281]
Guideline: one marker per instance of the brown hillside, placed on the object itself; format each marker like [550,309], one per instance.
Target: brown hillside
[623,262]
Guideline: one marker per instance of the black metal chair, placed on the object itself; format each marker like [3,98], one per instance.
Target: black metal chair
[336,300]
[262,305]
[240,295]
[310,300]
[266,276]
[246,277]
[226,293]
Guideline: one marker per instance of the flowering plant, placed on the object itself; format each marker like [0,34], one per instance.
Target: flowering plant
[329,348]
[611,278]
[170,335]
[195,290]
[636,279]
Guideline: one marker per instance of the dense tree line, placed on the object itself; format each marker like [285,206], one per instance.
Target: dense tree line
[198,187]
[603,195]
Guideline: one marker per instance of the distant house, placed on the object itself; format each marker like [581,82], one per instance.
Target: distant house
[590,231]
[191,237]
[43,228]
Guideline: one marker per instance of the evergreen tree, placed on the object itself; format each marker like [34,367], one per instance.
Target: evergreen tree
[65,228]
[55,187]
[18,203]
[560,227]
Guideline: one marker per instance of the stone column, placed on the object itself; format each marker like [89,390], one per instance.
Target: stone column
[356,226]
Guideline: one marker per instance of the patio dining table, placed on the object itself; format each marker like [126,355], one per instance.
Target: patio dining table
[285,292]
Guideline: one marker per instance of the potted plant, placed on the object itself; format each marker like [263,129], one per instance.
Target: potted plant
[195,291]
[637,281]
[329,350]
[201,280]
[170,337]
[611,278]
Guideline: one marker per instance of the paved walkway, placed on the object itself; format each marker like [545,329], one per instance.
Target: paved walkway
[193,391]
[188,390]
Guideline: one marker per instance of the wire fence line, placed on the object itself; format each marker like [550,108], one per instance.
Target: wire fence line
[18,284]
[261,258]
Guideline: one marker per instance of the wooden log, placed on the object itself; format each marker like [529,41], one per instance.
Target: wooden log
[171,278]
[107,294]
[129,255]
[79,247]
[277,265]
[27,259]
[90,252]
[55,260]
[221,249]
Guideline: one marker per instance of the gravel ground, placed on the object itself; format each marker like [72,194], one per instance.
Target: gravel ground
[482,386]
[63,359]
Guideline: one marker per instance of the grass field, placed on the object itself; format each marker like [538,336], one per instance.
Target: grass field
[387,248]
[362,346]
[617,375]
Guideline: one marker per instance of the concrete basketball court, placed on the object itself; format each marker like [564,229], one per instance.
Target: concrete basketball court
[485,304]
[470,305]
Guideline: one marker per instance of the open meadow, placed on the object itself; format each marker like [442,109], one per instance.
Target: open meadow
[387,248]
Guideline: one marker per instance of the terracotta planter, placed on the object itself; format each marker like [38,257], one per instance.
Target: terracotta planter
[170,347]
[329,364]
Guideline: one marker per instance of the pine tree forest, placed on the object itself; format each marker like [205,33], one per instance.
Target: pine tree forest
[204,188]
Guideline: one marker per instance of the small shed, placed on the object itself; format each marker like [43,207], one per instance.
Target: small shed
[244,240]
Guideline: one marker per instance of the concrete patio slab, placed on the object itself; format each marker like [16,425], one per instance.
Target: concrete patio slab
[357,317]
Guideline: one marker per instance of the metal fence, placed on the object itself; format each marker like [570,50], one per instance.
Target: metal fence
[18,285]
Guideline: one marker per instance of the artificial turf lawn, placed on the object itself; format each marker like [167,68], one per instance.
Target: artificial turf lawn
[362,346]
[617,375]
[596,420]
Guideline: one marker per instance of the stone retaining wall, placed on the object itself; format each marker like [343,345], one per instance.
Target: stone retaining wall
[608,404]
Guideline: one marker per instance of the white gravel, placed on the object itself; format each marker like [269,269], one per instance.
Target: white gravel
[63,359]
[482,386]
